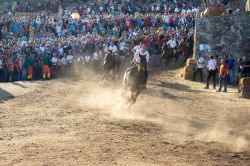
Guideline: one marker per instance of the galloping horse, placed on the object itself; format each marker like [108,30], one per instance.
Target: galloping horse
[187,50]
[134,78]
[111,64]
[168,53]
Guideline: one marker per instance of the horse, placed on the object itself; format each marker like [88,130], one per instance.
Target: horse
[111,64]
[186,50]
[169,53]
[133,80]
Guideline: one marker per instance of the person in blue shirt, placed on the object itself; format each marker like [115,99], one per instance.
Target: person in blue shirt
[231,67]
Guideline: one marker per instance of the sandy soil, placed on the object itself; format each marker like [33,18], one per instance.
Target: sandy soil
[78,122]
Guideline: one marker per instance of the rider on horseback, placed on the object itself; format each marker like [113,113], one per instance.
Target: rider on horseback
[109,55]
[142,57]
[172,43]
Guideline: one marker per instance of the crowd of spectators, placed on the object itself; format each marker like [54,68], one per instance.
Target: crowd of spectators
[35,44]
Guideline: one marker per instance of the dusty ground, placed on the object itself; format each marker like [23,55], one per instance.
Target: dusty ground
[174,122]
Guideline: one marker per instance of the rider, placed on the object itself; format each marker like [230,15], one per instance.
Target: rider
[109,55]
[172,43]
[137,48]
[142,57]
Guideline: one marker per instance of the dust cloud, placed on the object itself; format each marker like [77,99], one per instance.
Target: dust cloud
[225,136]
[111,101]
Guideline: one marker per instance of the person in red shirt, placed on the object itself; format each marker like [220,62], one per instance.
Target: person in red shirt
[223,76]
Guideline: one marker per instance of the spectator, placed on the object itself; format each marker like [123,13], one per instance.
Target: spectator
[231,66]
[200,66]
[223,76]
[1,68]
[212,64]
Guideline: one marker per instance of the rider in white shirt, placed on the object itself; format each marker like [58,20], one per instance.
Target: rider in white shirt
[212,64]
[70,58]
[137,48]
[142,57]
[114,48]
[172,43]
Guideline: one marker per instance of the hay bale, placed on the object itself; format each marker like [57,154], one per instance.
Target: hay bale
[188,69]
[244,95]
[245,81]
[188,76]
[245,88]
[180,74]
[191,62]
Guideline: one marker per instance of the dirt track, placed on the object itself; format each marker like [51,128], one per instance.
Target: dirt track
[174,122]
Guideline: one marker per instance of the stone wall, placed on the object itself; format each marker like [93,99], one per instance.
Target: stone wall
[224,34]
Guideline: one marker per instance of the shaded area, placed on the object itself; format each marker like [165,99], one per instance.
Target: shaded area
[162,94]
[5,95]
[18,84]
[175,86]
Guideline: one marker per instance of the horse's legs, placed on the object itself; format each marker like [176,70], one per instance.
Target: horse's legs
[177,56]
[117,71]
[137,94]
[162,59]
[133,96]
[167,60]
[104,75]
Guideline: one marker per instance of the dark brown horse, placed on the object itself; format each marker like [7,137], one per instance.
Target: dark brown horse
[168,53]
[186,50]
[111,65]
[134,81]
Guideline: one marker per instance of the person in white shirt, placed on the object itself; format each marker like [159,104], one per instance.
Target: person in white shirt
[95,56]
[200,66]
[212,64]
[95,61]
[172,43]
[58,30]
[54,65]
[114,49]
[176,10]
[64,65]
[137,48]
[166,19]
[122,46]
[54,60]
[70,59]
[70,64]
[142,57]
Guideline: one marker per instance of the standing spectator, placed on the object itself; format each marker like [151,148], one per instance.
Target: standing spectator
[212,64]
[200,67]
[64,65]
[24,70]
[95,61]
[46,69]
[231,66]
[223,76]
[19,68]
[237,70]
[10,69]
[54,65]
[70,64]
[1,68]
[30,63]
